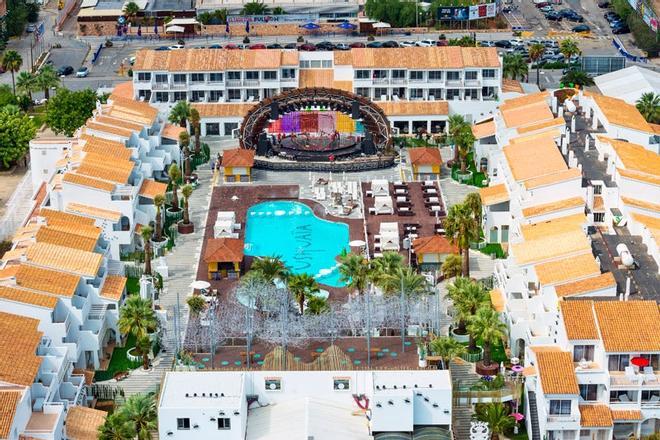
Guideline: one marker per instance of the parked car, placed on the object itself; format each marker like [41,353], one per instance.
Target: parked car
[425,43]
[407,43]
[307,47]
[274,46]
[611,15]
[553,16]
[575,17]
[616,23]
[342,46]
[357,44]
[82,72]
[257,46]
[375,44]
[603,4]
[215,46]
[504,44]
[162,48]
[65,71]
[176,46]
[542,4]
[517,42]
[547,8]
[291,46]
[623,29]
[487,43]
[325,45]
[390,44]
[232,46]
[581,28]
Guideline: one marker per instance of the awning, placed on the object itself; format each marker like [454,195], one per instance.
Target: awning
[381,25]
[174,29]
[182,21]
[88,3]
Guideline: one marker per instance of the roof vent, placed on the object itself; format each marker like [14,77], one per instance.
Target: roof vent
[187,395]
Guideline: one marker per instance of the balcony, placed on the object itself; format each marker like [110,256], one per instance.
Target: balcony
[178,86]
[381,81]
[623,379]
[158,85]
[398,81]
[251,82]
[454,83]
[233,82]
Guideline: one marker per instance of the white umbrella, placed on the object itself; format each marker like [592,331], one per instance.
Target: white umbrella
[234,198]
[200,284]
[175,29]
[356,243]
[381,25]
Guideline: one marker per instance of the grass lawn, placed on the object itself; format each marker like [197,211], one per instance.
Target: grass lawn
[493,248]
[477,176]
[119,362]
[496,351]
[133,285]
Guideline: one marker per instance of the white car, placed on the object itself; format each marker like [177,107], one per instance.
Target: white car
[176,46]
[407,43]
[517,42]
[425,43]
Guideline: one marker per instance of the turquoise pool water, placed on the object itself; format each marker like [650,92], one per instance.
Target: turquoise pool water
[306,243]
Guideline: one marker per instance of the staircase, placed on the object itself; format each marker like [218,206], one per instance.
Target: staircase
[463,376]
[533,415]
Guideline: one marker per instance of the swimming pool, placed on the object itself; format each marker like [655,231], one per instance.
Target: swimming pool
[306,243]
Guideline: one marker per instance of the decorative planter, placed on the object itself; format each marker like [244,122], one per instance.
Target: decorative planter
[185,228]
[490,370]
[133,357]
[459,337]
[473,357]
[463,177]
[422,363]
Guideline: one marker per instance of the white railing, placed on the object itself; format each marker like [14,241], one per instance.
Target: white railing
[18,207]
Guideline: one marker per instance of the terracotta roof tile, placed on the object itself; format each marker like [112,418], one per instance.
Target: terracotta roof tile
[118,122]
[652,224]
[567,269]
[208,60]
[642,177]
[619,112]
[629,326]
[552,133]
[510,85]
[534,158]
[113,287]
[19,339]
[114,171]
[447,57]
[424,156]
[571,242]
[94,212]
[484,130]
[346,86]
[414,108]
[8,405]
[65,259]
[579,320]
[108,129]
[497,299]
[79,179]
[556,122]
[556,371]
[558,205]
[642,204]
[107,148]
[238,157]
[68,239]
[131,110]
[46,280]
[82,423]
[576,288]
[220,110]
[224,250]
[26,296]
[635,157]
[150,188]
[53,217]
[310,78]
[434,244]
[526,110]
[172,131]
[559,225]
[551,179]
[123,90]
[492,195]
[626,414]
[595,416]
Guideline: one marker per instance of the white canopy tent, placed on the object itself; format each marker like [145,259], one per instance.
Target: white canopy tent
[380,187]
[223,229]
[383,205]
[175,29]
[381,25]
[182,21]
[389,236]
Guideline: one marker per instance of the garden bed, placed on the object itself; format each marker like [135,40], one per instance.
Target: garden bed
[119,362]
[477,177]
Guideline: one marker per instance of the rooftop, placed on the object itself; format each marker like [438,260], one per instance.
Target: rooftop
[635,157]
[113,287]
[209,60]
[82,423]
[434,244]
[66,259]
[628,326]
[570,242]
[567,269]
[424,156]
[224,250]
[629,83]
[8,404]
[19,339]
[238,157]
[46,280]
[551,179]
[556,371]
[94,212]
[484,129]
[68,239]
[150,188]
[595,416]
[557,205]
[27,296]
[447,57]
[588,285]
[205,389]
[493,195]
[619,112]
[534,158]
[559,225]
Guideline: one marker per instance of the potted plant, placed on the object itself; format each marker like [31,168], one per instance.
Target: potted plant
[421,353]
[185,226]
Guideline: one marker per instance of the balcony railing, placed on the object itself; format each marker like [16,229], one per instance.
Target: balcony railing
[251,82]
[233,82]
[381,81]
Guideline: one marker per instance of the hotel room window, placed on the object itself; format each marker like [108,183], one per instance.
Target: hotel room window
[224,423]
[471,75]
[453,76]
[233,94]
[196,77]
[288,73]
[326,64]
[416,75]
[252,75]
[180,96]
[234,75]
[560,407]
[179,78]
[161,77]
[585,352]
[398,74]
[362,74]
[589,392]
[183,423]
[144,76]
[215,77]
[416,94]
[489,73]
[270,75]
[435,75]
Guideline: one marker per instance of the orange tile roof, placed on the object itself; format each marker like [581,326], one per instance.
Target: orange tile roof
[642,177]
[552,133]
[571,242]
[346,86]
[113,287]
[150,188]
[58,217]
[483,130]
[222,110]
[108,129]
[642,204]
[497,299]
[209,60]
[556,122]
[635,157]
[414,108]
[238,157]
[650,223]
[599,204]
[46,280]
[510,85]
[556,371]
[64,259]
[114,171]
[629,326]
[551,179]
[424,156]
[123,90]
[79,179]
[567,269]
[67,239]
[579,320]
[19,339]
[94,212]
[576,288]
[131,110]
[595,416]
[8,405]
[107,148]
[224,250]
[558,205]
[492,195]
[172,131]
[626,414]
[530,371]
[534,158]
[559,225]
[118,122]
[9,272]
[525,100]
[526,110]
[310,78]
[447,57]
[26,296]
[619,112]
[434,244]
[82,423]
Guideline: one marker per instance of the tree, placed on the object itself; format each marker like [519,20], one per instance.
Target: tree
[355,271]
[406,279]
[467,296]
[649,106]
[301,287]
[116,428]
[568,48]
[196,304]
[196,125]
[68,110]
[498,417]
[514,67]
[46,79]
[317,305]
[138,318]
[12,61]
[131,10]
[452,266]
[486,326]
[455,122]
[254,8]
[7,96]
[159,201]
[143,347]
[461,229]
[536,51]
[180,113]
[186,191]
[577,78]
[140,411]
[447,348]
[464,141]
[473,203]
[16,132]
[270,269]
[146,233]
[26,83]
[383,266]
[175,174]
[278,10]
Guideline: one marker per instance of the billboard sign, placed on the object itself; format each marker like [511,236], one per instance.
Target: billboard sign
[284,18]
[462,13]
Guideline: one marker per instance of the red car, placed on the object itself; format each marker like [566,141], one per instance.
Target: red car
[307,47]
[357,44]
[258,46]
[231,46]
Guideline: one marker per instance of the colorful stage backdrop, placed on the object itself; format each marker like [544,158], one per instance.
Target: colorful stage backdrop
[326,122]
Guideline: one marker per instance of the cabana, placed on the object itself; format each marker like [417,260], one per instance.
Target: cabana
[380,188]
[383,205]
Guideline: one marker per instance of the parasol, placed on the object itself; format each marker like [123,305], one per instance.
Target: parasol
[310,26]
[639,361]
[346,25]
[200,285]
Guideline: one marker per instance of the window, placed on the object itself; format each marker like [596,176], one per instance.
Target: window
[233,75]
[398,74]
[618,362]
[471,75]
[416,75]
[183,423]
[560,407]
[598,189]
[589,392]
[162,97]
[653,395]
[212,128]
[599,217]
[288,73]
[215,77]
[362,74]
[215,96]
[488,73]
[252,93]
[380,74]
[224,423]
[197,96]
[270,75]
[435,75]
[453,94]
[453,76]
[416,94]
[471,94]
[229,127]
[436,93]
[179,78]
[233,94]
[180,96]
[273,383]
[363,91]
[196,77]
[326,64]
[379,93]
[585,352]
[161,77]
[341,384]
[304,64]
[315,64]
[653,360]
[144,76]
[251,75]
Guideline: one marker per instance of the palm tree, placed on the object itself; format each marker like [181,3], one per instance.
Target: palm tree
[468,297]
[195,123]
[447,348]
[452,266]
[131,10]
[180,113]
[196,304]
[12,61]
[498,417]
[514,67]
[159,201]
[270,268]
[316,305]
[278,10]
[473,203]
[464,141]
[355,271]
[486,326]
[568,48]
[146,232]
[143,347]
[186,191]
[302,286]
[455,123]
[536,51]
[383,266]
[184,141]
[649,106]
[137,317]
[175,174]
[254,8]
[462,229]
[46,79]
[577,78]
[140,411]
[25,83]
[405,279]
[116,428]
